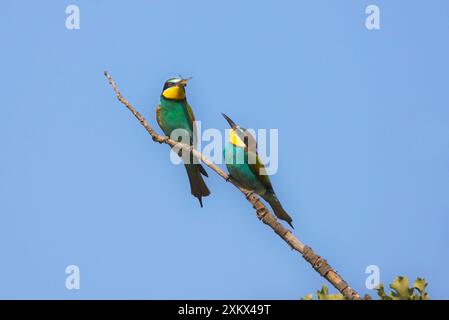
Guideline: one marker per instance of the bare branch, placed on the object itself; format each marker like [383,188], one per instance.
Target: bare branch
[318,263]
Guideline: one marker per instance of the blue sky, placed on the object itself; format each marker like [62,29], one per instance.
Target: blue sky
[363,151]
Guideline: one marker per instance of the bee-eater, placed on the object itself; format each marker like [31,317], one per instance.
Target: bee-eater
[174,113]
[245,166]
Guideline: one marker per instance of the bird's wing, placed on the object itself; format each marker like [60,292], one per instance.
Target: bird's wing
[258,169]
[248,140]
[192,127]
[191,120]
[158,116]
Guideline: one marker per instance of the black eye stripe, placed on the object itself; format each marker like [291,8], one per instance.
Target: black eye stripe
[168,85]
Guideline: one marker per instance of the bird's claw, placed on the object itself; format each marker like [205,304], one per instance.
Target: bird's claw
[249,194]
[163,140]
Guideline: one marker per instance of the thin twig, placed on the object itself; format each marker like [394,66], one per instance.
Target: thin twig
[318,263]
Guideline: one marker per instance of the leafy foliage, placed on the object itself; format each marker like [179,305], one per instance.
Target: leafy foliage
[323,294]
[400,290]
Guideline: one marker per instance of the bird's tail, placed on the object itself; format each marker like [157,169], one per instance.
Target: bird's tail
[277,208]
[197,185]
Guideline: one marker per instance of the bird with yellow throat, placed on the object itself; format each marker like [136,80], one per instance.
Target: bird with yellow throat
[174,113]
[245,166]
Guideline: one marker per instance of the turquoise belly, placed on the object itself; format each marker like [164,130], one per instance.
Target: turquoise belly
[174,116]
[237,164]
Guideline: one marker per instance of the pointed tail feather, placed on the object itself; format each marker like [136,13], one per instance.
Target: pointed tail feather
[277,208]
[198,187]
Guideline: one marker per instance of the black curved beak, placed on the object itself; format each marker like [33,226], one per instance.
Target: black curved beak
[231,123]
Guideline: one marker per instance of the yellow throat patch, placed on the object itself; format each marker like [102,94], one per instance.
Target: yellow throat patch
[174,93]
[235,139]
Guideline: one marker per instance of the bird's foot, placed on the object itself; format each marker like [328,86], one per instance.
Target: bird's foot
[161,140]
[249,194]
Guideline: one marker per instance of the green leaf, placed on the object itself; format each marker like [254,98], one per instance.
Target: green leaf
[381,292]
[400,289]
[420,285]
[336,296]
[323,294]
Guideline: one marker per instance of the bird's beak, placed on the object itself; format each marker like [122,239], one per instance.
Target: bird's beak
[231,123]
[184,81]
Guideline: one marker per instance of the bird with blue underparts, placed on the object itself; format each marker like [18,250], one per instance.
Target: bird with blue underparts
[245,166]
